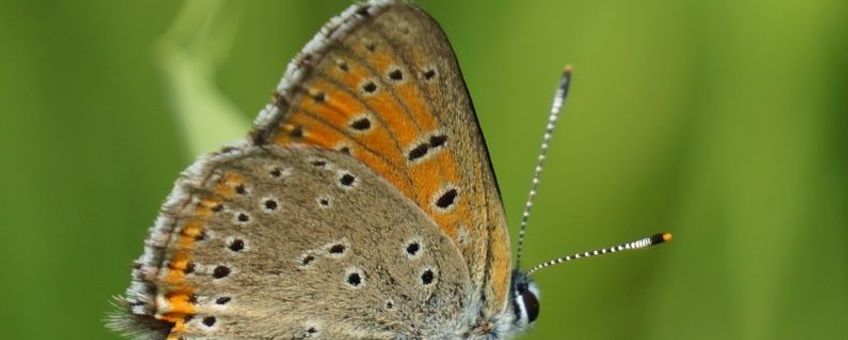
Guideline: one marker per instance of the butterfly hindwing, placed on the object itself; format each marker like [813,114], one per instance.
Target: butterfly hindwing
[280,243]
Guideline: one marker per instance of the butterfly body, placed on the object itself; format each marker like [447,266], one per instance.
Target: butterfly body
[362,205]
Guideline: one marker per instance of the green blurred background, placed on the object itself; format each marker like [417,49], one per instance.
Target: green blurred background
[723,122]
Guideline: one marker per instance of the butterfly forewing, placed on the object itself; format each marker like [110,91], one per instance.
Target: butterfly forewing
[382,84]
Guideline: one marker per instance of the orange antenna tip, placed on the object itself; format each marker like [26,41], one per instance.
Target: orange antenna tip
[660,238]
[568,69]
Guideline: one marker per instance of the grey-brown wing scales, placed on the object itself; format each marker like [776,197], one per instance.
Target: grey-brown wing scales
[311,242]
[382,83]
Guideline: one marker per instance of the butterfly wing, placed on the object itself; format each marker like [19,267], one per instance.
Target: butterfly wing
[382,84]
[290,243]
[377,95]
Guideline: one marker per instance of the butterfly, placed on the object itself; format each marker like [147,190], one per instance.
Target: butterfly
[363,204]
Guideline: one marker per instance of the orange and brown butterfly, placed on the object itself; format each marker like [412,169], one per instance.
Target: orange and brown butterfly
[362,205]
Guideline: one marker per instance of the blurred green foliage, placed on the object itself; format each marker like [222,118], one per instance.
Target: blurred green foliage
[723,122]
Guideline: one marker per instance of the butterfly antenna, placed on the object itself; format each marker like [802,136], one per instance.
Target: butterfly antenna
[633,245]
[556,107]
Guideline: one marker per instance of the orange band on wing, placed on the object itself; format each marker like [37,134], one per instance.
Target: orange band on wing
[176,290]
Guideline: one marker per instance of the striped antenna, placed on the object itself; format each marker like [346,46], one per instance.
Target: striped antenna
[633,245]
[556,107]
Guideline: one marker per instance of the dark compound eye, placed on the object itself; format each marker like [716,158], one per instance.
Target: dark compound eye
[532,305]
[529,301]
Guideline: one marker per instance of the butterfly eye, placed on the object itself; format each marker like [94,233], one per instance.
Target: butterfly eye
[526,304]
[531,305]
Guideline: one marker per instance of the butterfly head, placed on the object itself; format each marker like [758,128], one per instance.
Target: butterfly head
[525,299]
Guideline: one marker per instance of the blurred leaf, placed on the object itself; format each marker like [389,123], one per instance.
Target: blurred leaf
[189,54]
